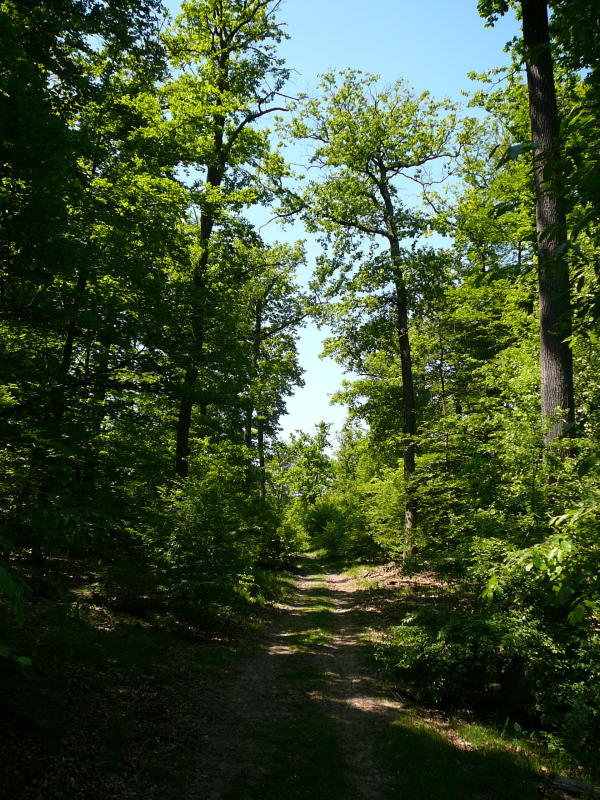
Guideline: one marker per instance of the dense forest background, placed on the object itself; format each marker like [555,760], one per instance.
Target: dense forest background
[149,336]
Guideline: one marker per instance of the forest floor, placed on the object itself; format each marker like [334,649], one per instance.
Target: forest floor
[288,708]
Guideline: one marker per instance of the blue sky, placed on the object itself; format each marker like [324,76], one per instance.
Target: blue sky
[432,44]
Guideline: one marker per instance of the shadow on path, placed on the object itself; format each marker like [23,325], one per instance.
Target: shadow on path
[307,718]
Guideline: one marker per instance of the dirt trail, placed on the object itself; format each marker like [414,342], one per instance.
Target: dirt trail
[356,701]
[305,696]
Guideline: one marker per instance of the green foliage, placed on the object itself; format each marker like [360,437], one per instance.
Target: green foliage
[302,468]
[576,710]
[454,658]
[142,315]
[566,560]
[505,664]
[492,9]
[527,652]
[13,589]
[291,535]
[102,301]
[209,536]
[386,499]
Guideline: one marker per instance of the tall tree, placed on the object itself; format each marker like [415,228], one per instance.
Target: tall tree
[556,361]
[368,143]
[278,308]
[87,190]
[227,78]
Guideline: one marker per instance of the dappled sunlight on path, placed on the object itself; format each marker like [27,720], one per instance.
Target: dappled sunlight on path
[305,716]
[303,698]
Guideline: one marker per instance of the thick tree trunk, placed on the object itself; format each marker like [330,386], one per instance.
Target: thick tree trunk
[556,362]
[408,389]
[186,404]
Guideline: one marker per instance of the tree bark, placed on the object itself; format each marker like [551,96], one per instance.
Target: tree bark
[186,404]
[556,361]
[68,348]
[408,396]
[184,423]
[254,407]
[260,436]
[262,476]
[408,389]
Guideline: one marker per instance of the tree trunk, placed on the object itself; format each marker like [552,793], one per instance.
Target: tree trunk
[408,389]
[60,399]
[262,477]
[410,419]
[184,422]
[260,437]
[556,362]
[186,405]
[214,177]
[248,438]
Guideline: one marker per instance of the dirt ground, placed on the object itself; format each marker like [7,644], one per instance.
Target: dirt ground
[347,695]
[290,708]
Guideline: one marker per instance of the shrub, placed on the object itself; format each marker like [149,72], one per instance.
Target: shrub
[207,535]
[461,658]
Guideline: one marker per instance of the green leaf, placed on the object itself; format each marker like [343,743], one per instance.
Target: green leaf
[577,614]
[19,612]
[586,465]
[503,208]
[8,585]
[491,587]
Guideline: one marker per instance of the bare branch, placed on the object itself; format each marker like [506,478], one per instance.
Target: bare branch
[358,226]
[282,215]
[246,121]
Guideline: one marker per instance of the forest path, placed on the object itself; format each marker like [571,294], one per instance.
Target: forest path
[289,711]
[303,715]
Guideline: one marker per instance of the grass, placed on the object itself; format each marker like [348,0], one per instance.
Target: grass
[318,611]
[269,586]
[300,756]
[428,765]
[423,759]
[358,572]
[300,751]
[296,754]
[464,760]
